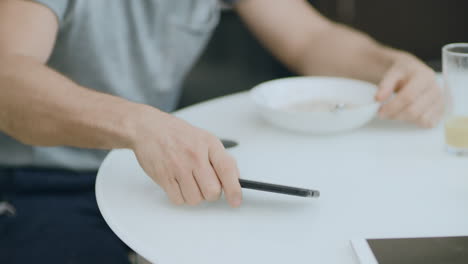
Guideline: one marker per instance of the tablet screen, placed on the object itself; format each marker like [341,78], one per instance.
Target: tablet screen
[437,250]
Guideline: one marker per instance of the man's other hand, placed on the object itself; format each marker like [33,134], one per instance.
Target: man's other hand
[410,92]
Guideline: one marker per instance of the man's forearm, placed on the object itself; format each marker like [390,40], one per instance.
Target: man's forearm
[342,51]
[39,106]
[310,44]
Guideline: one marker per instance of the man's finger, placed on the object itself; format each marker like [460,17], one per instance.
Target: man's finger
[421,105]
[406,96]
[208,182]
[226,169]
[432,118]
[390,84]
[173,191]
[189,188]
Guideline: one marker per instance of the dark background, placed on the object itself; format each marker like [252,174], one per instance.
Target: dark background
[234,61]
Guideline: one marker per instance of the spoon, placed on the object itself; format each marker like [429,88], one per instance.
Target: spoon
[338,108]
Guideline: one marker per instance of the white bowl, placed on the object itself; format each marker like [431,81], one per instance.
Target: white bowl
[274,98]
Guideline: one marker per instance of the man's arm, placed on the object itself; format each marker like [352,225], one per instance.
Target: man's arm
[312,45]
[39,106]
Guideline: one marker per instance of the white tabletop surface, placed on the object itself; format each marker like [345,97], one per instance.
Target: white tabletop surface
[384,180]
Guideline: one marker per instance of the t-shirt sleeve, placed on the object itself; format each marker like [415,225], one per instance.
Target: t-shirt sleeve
[59,7]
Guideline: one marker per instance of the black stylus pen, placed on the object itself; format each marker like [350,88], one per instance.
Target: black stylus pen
[268,187]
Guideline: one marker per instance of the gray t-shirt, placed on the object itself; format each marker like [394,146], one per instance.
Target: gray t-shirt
[140,50]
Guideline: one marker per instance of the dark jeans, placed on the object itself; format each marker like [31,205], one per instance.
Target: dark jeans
[56,220]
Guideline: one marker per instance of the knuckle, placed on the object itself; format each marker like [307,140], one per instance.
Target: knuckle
[224,167]
[229,162]
[191,153]
[178,177]
[212,192]
[172,181]
[212,139]
[208,138]
[215,144]
[172,163]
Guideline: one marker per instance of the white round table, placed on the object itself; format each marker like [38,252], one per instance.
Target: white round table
[384,180]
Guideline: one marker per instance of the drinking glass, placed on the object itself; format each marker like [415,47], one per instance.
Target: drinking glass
[455,70]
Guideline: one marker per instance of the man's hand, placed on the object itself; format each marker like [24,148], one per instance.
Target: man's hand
[190,164]
[417,96]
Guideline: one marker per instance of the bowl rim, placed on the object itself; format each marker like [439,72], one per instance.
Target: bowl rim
[254,91]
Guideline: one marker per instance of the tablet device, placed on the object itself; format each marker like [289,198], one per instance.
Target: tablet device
[422,250]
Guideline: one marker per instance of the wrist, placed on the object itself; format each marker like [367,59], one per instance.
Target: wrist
[140,119]
[131,123]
